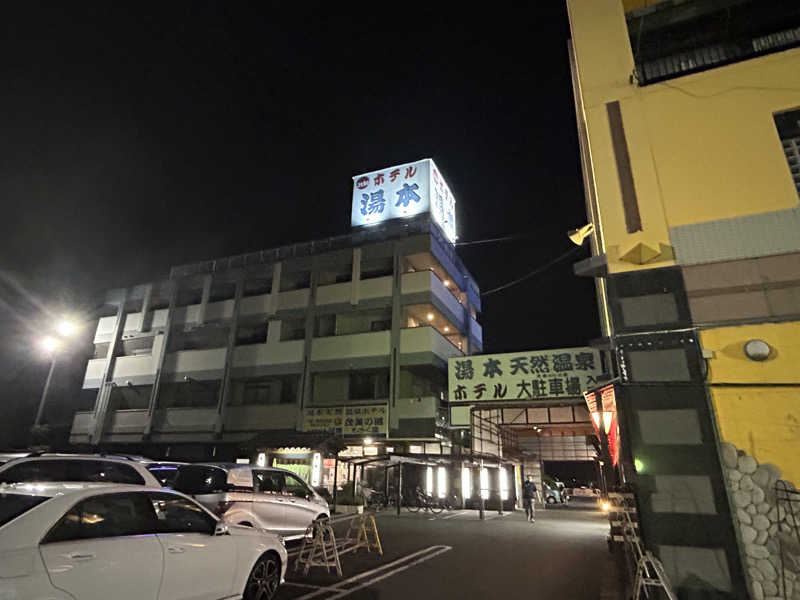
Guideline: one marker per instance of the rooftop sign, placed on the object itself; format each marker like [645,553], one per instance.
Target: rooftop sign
[404,191]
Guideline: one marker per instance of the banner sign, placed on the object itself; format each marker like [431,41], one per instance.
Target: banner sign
[404,191]
[534,374]
[347,420]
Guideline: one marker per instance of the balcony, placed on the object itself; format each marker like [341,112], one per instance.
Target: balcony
[336,293]
[359,345]
[676,38]
[195,361]
[256,355]
[428,283]
[419,340]
[257,418]
[377,287]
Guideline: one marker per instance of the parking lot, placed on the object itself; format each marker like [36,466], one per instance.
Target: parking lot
[563,555]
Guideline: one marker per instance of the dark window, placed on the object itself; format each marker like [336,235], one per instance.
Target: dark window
[137,346]
[257,287]
[166,474]
[295,281]
[253,333]
[130,396]
[293,329]
[222,291]
[13,505]
[297,488]
[200,479]
[210,335]
[268,481]
[189,394]
[788,124]
[326,325]
[180,515]
[189,297]
[71,470]
[381,325]
[109,515]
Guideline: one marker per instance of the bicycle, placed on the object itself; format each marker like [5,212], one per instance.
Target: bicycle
[422,500]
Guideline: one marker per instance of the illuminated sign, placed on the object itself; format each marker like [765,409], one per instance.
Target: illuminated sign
[530,375]
[404,191]
[347,420]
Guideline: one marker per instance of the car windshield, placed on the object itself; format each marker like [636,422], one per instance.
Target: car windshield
[200,479]
[165,474]
[13,505]
[91,470]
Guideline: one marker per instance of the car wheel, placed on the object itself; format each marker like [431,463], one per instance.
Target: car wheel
[551,500]
[264,578]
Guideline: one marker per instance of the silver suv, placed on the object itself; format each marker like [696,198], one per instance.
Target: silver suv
[272,499]
[97,468]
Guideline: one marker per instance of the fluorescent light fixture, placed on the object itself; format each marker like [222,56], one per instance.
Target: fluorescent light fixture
[485,483]
[503,484]
[441,481]
[261,461]
[429,481]
[466,482]
[316,469]
[242,461]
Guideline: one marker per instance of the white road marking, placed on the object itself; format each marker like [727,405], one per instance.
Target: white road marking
[455,514]
[309,586]
[338,586]
[441,550]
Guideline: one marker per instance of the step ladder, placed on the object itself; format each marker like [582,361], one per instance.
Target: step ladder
[649,570]
[321,550]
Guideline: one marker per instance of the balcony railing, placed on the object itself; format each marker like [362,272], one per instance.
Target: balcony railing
[672,40]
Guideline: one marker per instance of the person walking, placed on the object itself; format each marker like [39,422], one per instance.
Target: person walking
[529,495]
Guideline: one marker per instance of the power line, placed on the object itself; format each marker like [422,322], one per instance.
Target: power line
[535,272]
[491,240]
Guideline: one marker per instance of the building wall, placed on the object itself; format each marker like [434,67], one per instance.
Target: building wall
[703,147]
[762,419]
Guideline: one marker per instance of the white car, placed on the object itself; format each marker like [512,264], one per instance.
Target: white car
[90,541]
[266,497]
[95,468]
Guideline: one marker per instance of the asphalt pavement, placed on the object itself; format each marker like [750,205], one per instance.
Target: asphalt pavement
[563,555]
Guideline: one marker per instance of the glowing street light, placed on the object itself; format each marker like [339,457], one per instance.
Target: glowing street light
[66,328]
[49,344]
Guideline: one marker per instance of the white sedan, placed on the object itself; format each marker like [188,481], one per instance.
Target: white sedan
[128,542]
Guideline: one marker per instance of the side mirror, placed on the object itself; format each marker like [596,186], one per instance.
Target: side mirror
[221,528]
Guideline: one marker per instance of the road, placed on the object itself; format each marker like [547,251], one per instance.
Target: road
[455,555]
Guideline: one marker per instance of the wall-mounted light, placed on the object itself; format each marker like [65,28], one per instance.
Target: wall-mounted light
[466,482]
[446,283]
[430,316]
[446,329]
[757,350]
[429,481]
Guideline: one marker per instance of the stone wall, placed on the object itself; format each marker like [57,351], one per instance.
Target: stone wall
[765,522]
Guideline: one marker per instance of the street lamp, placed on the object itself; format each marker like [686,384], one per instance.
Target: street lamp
[50,346]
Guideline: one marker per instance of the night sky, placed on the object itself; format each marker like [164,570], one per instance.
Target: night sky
[133,139]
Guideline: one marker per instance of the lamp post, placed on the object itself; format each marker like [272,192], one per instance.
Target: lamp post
[50,346]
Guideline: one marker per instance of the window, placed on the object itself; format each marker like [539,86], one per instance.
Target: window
[268,481]
[293,329]
[13,505]
[189,394]
[137,346]
[198,479]
[788,124]
[381,325]
[108,515]
[257,287]
[71,470]
[297,488]
[326,325]
[251,333]
[180,515]
[130,396]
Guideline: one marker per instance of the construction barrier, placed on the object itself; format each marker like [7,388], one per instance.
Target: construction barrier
[320,548]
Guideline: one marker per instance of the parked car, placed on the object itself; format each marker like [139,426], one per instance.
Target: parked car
[95,468]
[266,497]
[554,495]
[128,542]
[7,456]
[164,471]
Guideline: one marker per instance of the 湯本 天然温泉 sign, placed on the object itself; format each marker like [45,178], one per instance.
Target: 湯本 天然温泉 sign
[560,373]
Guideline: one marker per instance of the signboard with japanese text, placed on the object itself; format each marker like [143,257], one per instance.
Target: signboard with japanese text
[517,376]
[347,420]
[404,191]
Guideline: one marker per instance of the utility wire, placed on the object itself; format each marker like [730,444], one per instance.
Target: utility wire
[491,240]
[535,272]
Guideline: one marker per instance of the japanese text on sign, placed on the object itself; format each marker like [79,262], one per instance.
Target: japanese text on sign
[347,420]
[523,375]
[404,191]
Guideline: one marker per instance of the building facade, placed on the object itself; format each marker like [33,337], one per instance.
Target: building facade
[273,351]
[688,119]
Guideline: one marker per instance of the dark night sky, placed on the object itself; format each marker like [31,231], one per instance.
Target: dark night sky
[133,139]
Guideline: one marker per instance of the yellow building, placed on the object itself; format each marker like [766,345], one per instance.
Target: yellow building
[689,121]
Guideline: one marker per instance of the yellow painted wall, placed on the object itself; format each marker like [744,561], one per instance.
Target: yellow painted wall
[703,146]
[762,420]
[730,365]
